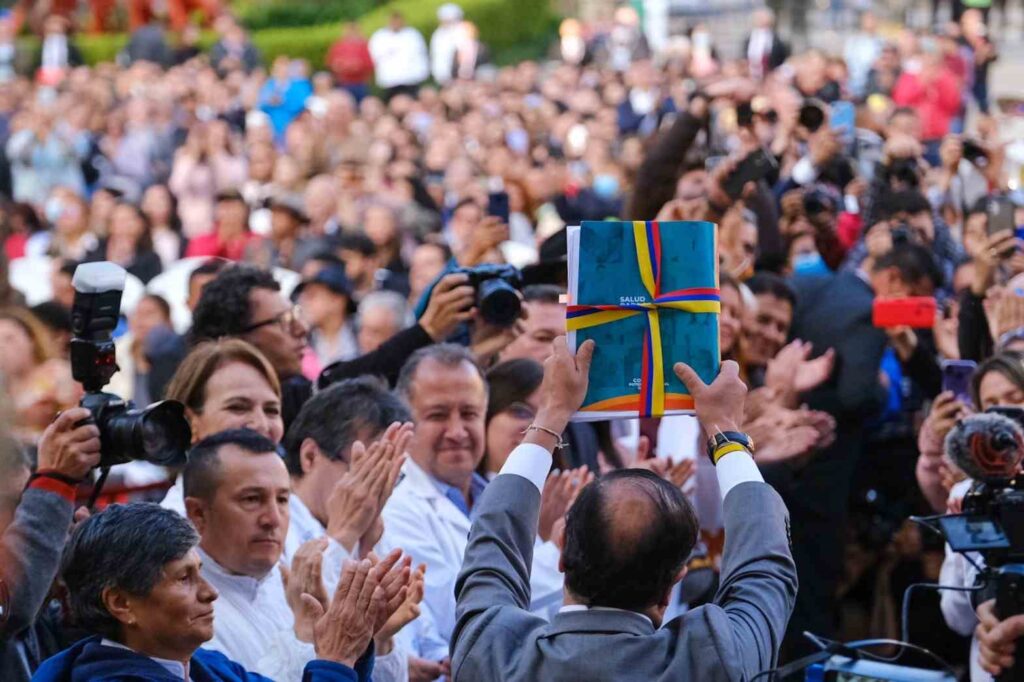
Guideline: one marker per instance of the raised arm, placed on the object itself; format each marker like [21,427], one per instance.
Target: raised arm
[759,581]
[496,569]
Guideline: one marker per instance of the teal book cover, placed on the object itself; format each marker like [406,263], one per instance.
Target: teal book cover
[647,294]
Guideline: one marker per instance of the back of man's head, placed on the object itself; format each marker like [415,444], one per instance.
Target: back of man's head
[915,264]
[626,538]
[224,306]
[335,417]
[203,472]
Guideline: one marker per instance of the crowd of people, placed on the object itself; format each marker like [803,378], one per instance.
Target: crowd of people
[304,254]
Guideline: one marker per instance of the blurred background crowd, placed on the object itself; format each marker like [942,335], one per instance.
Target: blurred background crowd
[318,207]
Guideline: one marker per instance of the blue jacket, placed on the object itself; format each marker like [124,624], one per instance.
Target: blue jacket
[90,661]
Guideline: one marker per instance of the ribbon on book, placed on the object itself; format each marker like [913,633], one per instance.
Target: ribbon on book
[697,300]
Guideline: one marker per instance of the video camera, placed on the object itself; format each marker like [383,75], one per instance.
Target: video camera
[989,447]
[497,292]
[158,433]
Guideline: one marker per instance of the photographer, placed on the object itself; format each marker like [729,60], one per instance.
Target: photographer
[34,535]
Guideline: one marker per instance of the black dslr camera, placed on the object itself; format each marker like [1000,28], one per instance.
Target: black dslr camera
[158,433]
[497,292]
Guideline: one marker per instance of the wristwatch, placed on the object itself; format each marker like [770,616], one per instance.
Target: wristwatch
[724,442]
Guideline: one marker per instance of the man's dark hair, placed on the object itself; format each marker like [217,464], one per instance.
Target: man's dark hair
[211,266]
[223,308]
[909,201]
[543,293]
[203,469]
[914,263]
[335,416]
[622,557]
[447,354]
[773,285]
[357,242]
[124,547]
[326,257]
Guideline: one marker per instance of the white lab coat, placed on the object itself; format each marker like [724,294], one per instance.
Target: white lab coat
[423,522]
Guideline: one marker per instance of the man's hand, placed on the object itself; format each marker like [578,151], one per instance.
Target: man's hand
[451,303]
[998,247]
[358,497]
[1009,313]
[945,413]
[409,609]
[487,340]
[719,406]
[422,670]
[823,146]
[487,236]
[565,385]
[343,632]
[305,577]
[903,340]
[560,491]
[792,372]
[68,449]
[997,639]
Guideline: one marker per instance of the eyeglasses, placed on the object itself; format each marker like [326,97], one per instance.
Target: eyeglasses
[287,319]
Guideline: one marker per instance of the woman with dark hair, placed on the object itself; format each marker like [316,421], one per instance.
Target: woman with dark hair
[160,207]
[512,403]
[128,243]
[133,579]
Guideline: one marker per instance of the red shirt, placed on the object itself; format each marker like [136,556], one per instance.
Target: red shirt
[210,245]
[350,60]
[937,101]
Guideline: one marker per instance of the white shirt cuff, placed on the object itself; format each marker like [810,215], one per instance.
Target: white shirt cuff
[804,172]
[530,461]
[735,468]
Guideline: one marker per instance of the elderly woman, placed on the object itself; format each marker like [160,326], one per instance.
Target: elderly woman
[133,580]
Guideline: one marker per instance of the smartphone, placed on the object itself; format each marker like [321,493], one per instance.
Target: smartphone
[843,119]
[956,378]
[497,205]
[917,312]
[975,153]
[744,115]
[1000,215]
[755,166]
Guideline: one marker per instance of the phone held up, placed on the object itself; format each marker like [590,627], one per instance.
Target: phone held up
[956,378]
[917,312]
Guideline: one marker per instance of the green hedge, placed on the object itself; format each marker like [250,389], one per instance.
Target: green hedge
[267,14]
[513,30]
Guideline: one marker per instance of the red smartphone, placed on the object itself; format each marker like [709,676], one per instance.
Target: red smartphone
[917,312]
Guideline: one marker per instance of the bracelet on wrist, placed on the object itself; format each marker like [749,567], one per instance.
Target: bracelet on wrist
[723,443]
[559,444]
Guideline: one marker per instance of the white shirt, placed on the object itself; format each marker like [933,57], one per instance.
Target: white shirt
[442,52]
[758,50]
[428,526]
[399,57]
[253,624]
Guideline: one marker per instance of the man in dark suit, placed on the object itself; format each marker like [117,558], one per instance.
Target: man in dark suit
[834,312]
[625,544]
[763,48]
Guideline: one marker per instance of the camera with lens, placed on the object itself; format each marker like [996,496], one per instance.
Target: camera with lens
[158,433]
[901,234]
[497,292]
[989,448]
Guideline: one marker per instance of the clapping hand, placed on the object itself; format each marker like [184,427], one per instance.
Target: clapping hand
[305,577]
[409,609]
[560,491]
[342,632]
[354,506]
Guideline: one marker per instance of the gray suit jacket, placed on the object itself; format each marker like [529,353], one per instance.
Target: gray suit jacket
[497,639]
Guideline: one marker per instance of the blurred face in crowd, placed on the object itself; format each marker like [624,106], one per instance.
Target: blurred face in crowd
[17,356]
[998,389]
[244,525]
[283,224]
[236,397]
[156,204]
[358,266]
[448,405]
[175,618]
[975,233]
[544,323]
[767,327]
[320,303]
[464,222]
[126,225]
[730,321]
[380,225]
[261,162]
[426,264]
[377,324]
[148,315]
[232,217]
[284,338]
[505,430]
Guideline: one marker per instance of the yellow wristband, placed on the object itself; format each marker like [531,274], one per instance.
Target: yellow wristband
[724,449]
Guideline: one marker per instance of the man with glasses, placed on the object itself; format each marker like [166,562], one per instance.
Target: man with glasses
[246,302]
